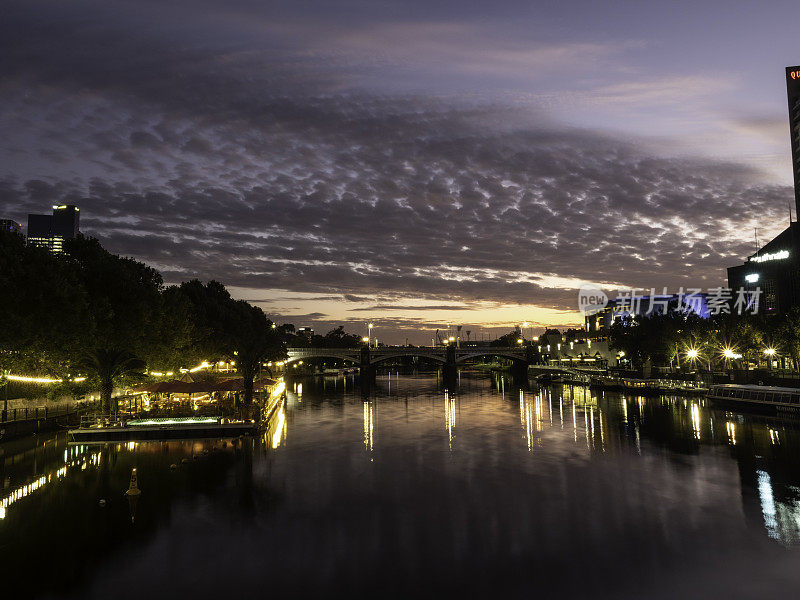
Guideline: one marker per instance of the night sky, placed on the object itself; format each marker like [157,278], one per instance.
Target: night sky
[406,163]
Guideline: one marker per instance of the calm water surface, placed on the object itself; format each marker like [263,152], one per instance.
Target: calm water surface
[410,489]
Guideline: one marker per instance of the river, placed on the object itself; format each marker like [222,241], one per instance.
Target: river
[406,488]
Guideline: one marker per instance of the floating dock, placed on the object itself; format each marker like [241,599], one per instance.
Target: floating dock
[644,387]
[163,429]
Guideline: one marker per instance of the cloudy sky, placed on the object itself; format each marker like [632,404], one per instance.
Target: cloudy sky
[407,163]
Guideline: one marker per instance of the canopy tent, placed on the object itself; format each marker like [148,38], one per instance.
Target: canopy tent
[176,386]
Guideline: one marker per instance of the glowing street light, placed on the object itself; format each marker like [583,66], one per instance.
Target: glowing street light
[692,354]
[770,353]
[519,340]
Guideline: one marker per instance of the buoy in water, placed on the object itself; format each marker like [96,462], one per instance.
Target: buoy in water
[133,494]
[133,488]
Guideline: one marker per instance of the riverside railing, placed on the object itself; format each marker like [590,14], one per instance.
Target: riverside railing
[37,412]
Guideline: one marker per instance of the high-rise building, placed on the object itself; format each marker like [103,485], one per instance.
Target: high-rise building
[774,269]
[793,93]
[50,231]
[9,225]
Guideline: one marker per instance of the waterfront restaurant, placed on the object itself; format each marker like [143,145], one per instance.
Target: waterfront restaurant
[194,395]
[579,353]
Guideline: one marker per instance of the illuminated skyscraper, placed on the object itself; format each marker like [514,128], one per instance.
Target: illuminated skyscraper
[50,231]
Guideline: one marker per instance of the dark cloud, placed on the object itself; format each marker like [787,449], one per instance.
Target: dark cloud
[244,163]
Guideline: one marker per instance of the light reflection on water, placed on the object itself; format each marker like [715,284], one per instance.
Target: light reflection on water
[419,486]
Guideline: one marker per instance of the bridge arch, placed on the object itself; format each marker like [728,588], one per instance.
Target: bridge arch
[494,353]
[382,357]
[294,357]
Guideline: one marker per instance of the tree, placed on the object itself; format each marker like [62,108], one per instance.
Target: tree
[109,365]
[255,341]
[231,329]
[508,340]
[124,309]
[208,309]
[789,333]
[337,338]
[44,308]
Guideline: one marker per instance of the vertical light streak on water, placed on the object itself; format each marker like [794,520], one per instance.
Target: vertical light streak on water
[450,417]
[525,415]
[280,429]
[730,427]
[602,433]
[586,426]
[538,408]
[767,504]
[695,411]
[574,424]
[369,416]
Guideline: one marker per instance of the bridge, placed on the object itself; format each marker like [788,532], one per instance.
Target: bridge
[367,358]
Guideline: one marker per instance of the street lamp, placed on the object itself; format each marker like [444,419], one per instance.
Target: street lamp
[691,354]
[369,334]
[770,352]
[519,340]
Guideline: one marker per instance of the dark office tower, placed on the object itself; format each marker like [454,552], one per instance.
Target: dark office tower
[793,91]
[65,221]
[774,269]
[50,231]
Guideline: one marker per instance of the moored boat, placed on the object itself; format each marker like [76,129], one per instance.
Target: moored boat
[776,400]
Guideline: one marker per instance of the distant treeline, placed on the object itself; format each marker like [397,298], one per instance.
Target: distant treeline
[720,341]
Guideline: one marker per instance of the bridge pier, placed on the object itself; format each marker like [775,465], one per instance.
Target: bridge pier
[367,370]
[449,368]
[519,373]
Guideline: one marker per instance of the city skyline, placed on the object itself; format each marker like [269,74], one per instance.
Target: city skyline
[405,164]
